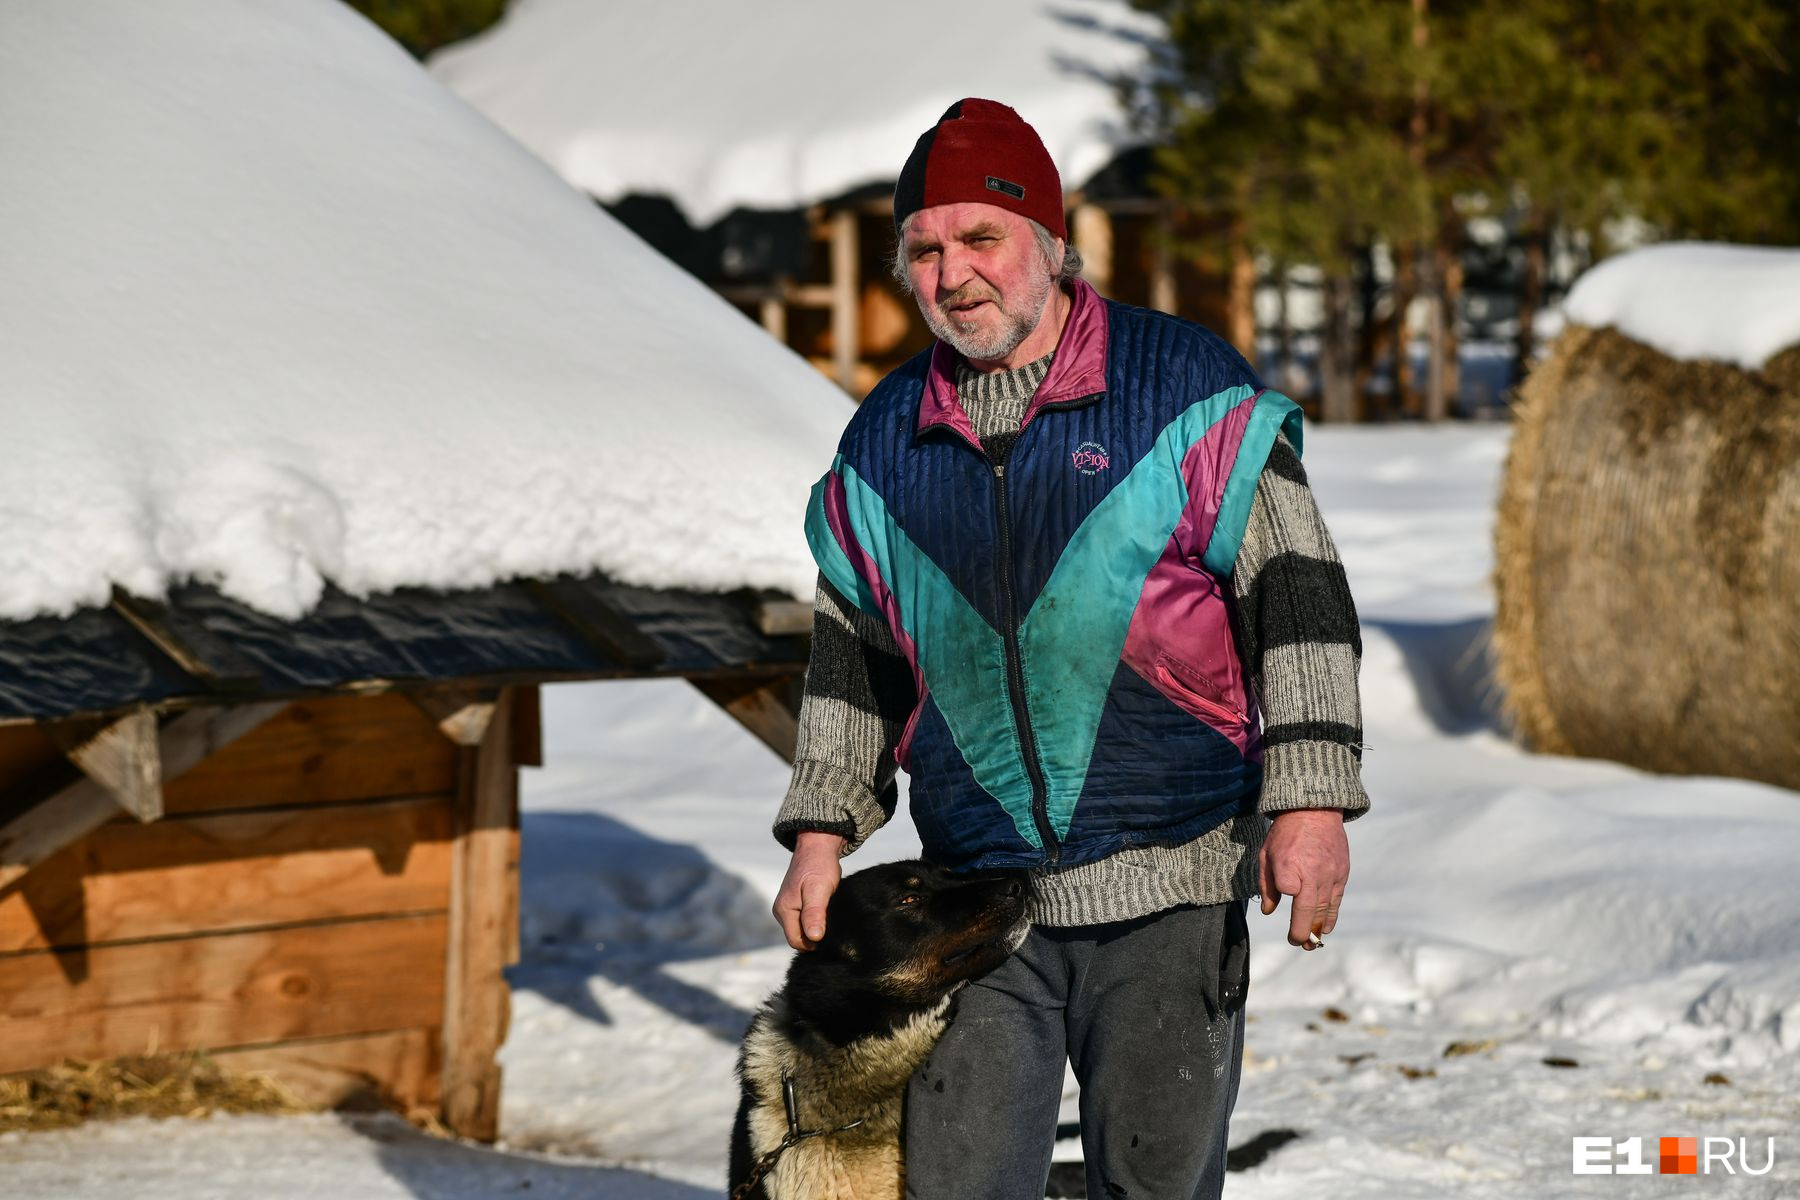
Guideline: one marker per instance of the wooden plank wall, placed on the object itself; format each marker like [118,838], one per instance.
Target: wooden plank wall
[293,910]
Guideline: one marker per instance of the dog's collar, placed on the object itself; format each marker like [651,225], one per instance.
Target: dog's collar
[790,1100]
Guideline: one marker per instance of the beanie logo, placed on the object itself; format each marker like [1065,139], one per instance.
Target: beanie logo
[1005,185]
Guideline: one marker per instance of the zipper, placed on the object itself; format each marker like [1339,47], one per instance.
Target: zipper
[1206,704]
[1015,675]
[1060,405]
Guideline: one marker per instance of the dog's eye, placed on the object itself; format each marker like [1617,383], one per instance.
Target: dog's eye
[911,898]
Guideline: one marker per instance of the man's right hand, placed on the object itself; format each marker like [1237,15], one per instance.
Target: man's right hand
[812,876]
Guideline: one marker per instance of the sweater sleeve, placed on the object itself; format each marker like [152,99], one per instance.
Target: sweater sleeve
[1297,629]
[859,693]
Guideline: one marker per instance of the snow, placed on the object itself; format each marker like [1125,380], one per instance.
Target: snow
[1696,300]
[777,106]
[1643,927]
[280,310]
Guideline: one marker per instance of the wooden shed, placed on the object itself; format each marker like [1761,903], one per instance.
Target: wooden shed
[295,844]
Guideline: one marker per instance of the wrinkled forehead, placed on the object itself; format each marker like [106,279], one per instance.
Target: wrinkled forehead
[949,222]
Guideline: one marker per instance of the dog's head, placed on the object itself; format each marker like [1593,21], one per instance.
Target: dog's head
[912,932]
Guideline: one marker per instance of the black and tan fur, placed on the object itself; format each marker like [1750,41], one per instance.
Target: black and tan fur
[857,1017]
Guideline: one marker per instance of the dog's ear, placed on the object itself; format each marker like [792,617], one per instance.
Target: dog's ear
[850,950]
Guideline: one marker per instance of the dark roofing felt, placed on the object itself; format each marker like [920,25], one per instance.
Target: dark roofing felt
[97,660]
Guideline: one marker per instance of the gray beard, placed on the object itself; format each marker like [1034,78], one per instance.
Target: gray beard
[1001,342]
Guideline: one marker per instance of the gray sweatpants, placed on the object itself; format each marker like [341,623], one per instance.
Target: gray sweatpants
[1150,1012]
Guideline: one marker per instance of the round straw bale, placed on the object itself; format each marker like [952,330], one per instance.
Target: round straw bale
[1647,571]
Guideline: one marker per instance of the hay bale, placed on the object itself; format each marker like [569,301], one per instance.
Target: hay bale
[1646,565]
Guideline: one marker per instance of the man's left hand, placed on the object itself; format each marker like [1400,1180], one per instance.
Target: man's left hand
[1306,856]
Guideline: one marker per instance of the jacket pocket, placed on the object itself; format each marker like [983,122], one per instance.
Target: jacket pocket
[1234,958]
[1189,689]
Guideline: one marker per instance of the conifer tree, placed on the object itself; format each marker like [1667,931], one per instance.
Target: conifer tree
[1320,126]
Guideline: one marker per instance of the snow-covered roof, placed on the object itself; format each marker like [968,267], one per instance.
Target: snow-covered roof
[775,106]
[1696,300]
[279,309]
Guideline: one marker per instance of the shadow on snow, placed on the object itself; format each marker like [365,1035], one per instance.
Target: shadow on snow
[599,898]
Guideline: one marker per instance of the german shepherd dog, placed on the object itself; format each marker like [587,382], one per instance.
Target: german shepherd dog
[825,1062]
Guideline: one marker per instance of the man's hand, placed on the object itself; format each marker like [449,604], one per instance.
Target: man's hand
[812,876]
[1306,856]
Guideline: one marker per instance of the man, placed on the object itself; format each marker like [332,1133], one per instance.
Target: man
[1066,555]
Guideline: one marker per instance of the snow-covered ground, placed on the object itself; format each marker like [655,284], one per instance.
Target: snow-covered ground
[1643,930]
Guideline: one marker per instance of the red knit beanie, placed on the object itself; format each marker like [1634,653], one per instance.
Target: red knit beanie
[981,152]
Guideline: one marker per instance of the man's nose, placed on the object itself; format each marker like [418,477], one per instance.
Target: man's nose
[953,269]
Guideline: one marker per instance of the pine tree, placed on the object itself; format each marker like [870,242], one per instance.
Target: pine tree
[1287,119]
[424,25]
[1318,128]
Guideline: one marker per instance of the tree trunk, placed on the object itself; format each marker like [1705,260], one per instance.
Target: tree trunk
[1405,397]
[1284,329]
[1371,332]
[1536,236]
[1337,350]
[1240,303]
[1450,285]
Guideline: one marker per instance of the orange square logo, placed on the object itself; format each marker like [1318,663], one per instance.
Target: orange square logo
[1680,1156]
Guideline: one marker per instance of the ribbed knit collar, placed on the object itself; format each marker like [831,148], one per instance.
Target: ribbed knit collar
[995,401]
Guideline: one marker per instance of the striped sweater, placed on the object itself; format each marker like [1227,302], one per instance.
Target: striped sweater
[1297,634]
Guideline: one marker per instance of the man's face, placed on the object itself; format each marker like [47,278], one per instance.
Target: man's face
[978,275]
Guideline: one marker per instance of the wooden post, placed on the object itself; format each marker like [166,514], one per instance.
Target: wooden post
[461,714]
[123,756]
[1092,232]
[845,288]
[759,705]
[784,618]
[1240,304]
[483,934]
[772,310]
[1162,264]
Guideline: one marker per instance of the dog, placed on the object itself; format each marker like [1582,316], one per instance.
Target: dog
[825,1062]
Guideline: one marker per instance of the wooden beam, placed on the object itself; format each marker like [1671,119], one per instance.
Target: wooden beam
[189,644]
[1092,233]
[771,310]
[1162,263]
[323,750]
[810,295]
[528,726]
[230,989]
[124,757]
[783,291]
[784,618]
[234,871]
[461,714]
[846,291]
[759,705]
[484,925]
[588,615]
[84,806]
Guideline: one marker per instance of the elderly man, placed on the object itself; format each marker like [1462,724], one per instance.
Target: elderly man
[1072,581]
